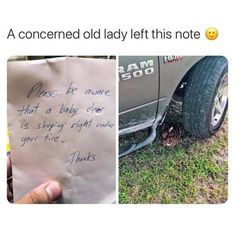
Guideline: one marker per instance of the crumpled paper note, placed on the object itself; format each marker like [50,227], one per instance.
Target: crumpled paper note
[61,120]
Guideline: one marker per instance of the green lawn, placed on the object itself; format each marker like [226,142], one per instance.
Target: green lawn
[195,171]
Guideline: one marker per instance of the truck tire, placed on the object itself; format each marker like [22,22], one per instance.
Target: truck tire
[205,99]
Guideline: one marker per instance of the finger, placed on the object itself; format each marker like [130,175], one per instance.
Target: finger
[10,185]
[9,180]
[9,191]
[9,167]
[44,193]
[9,195]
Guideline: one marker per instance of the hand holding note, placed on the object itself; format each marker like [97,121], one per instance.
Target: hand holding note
[44,193]
[61,119]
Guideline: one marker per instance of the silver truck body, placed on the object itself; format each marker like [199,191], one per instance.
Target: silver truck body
[146,87]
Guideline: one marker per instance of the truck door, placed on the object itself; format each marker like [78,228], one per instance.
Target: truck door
[138,92]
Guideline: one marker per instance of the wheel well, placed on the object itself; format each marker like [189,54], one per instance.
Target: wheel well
[179,91]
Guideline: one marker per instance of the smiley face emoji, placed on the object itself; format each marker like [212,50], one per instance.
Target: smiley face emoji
[211,33]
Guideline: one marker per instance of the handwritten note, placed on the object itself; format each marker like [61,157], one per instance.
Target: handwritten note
[61,119]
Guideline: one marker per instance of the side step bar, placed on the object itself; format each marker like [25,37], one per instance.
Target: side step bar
[136,146]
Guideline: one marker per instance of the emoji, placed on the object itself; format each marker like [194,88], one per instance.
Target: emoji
[211,33]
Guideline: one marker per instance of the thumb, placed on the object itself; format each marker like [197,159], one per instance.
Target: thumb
[44,193]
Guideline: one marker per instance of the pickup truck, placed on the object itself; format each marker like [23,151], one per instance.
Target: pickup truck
[147,84]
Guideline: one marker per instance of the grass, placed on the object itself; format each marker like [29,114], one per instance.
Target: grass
[195,171]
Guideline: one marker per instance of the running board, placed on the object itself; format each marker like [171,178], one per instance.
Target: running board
[136,146]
